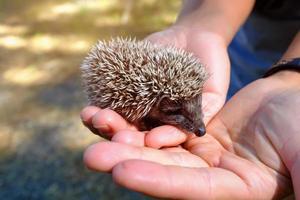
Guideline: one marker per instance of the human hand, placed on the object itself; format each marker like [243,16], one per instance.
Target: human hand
[211,49]
[241,157]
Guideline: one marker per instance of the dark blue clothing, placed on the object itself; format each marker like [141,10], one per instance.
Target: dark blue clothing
[261,41]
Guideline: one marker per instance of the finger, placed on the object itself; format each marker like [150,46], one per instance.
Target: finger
[164,136]
[134,138]
[86,116]
[169,37]
[206,147]
[176,182]
[177,149]
[109,122]
[103,156]
[211,105]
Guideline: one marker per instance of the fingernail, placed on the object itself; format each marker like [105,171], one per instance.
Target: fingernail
[103,128]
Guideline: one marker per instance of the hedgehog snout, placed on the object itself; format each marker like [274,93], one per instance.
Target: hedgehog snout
[189,125]
[185,115]
[201,130]
[179,120]
[191,110]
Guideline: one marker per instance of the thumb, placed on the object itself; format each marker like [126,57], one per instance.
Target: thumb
[211,105]
[169,37]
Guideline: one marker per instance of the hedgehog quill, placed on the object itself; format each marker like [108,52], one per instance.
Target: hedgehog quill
[147,84]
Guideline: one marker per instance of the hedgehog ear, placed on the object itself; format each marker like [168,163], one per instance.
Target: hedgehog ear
[163,100]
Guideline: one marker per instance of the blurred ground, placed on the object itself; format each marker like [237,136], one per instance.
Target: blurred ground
[42,44]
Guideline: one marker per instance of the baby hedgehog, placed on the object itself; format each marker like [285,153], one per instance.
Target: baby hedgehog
[147,84]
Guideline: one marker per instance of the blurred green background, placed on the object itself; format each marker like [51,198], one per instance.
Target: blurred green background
[42,43]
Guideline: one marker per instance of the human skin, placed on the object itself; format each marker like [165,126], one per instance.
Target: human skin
[250,152]
[205,28]
[251,149]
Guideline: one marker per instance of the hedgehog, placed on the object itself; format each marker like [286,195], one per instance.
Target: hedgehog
[148,84]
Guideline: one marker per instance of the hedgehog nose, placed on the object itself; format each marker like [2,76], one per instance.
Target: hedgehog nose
[201,131]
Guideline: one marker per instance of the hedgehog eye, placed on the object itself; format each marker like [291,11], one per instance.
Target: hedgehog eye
[172,111]
[169,107]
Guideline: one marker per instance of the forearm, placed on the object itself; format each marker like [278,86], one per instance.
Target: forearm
[287,76]
[217,16]
[293,50]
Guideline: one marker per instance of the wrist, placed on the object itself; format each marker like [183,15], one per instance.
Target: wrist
[292,64]
[287,78]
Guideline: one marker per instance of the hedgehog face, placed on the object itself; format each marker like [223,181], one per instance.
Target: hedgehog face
[184,114]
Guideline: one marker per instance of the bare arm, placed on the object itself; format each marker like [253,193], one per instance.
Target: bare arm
[217,16]
[294,49]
